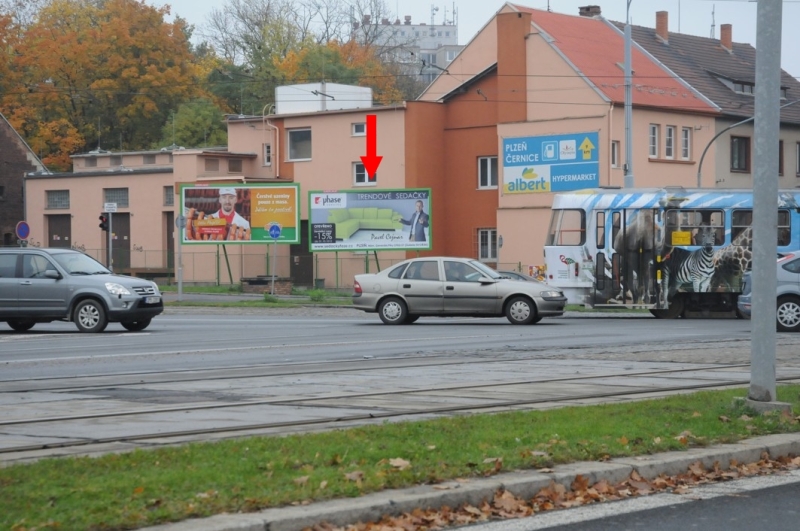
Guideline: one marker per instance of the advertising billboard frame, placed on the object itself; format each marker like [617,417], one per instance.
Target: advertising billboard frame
[258,208]
[388,216]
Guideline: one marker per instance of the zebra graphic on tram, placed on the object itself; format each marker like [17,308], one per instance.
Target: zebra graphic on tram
[666,250]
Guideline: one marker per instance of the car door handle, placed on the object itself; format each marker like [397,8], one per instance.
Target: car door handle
[25,283]
[451,288]
[406,285]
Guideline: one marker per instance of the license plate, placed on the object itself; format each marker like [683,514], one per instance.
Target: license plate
[152,300]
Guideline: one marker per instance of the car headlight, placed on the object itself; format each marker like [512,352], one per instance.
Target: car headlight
[117,289]
[551,294]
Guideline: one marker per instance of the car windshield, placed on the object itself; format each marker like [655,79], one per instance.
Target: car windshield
[486,270]
[80,264]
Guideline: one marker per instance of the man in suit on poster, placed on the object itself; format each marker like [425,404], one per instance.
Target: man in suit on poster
[418,223]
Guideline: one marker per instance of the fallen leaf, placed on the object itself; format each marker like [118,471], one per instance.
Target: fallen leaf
[323,484]
[491,460]
[302,480]
[745,418]
[546,470]
[400,463]
[354,476]
[697,414]
[138,490]
[432,447]
[657,440]
[623,440]
[723,418]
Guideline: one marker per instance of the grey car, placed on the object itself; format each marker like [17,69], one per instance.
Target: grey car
[788,277]
[44,285]
[445,286]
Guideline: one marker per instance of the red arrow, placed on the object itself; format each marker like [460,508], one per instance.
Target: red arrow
[372,161]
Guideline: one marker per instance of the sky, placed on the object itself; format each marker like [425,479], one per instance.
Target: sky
[693,17]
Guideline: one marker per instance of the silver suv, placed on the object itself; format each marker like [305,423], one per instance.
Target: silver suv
[788,277]
[44,285]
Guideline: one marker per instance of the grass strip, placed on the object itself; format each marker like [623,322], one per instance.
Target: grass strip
[147,487]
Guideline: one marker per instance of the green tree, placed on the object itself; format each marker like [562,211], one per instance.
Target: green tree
[199,123]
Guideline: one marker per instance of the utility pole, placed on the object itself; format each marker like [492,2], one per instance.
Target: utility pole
[762,393]
[628,103]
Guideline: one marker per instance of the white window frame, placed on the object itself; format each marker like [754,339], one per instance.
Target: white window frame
[358,129]
[615,153]
[653,141]
[360,177]
[491,236]
[487,173]
[289,143]
[669,142]
[267,155]
[686,143]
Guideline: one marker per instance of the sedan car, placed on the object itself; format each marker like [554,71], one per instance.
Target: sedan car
[516,275]
[445,286]
[788,277]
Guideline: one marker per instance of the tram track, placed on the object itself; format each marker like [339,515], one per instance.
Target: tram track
[366,414]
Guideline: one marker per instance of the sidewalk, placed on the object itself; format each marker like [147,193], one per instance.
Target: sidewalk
[524,484]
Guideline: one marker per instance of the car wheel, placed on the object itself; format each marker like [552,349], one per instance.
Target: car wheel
[136,326]
[393,311]
[21,326]
[536,320]
[520,310]
[788,314]
[90,316]
[412,319]
[674,311]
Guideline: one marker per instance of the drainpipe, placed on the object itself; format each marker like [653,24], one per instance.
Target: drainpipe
[277,155]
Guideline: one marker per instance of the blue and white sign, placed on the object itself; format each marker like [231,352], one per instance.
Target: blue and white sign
[557,163]
[275,231]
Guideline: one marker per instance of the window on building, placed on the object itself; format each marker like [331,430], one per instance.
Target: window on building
[234,165]
[57,198]
[446,33]
[360,177]
[669,145]
[615,153]
[653,152]
[299,144]
[91,162]
[740,153]
[211,164]
[450,55]
[116,195]
[797,159]
[743,88]
[170,158]
[487,244]
[783,93]
[487,172]
[149,159]
[267,154]
[116,160]
[169,196]
[359,129]
[686,143]
[780,158]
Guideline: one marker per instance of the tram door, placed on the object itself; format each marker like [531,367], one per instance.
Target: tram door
[635,239]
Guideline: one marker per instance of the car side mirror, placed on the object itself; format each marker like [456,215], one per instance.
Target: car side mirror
[486,280]
[52,273]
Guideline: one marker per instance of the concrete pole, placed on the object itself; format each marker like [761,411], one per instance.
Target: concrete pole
[628,103]
[765,199]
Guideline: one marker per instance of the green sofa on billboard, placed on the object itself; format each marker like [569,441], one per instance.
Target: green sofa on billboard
[349,220]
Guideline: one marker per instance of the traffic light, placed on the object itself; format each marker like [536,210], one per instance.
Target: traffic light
[103,221]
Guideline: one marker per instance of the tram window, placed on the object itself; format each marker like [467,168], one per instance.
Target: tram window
[567,227]
[784,228]
[690,221]
[600,232]
[740,220]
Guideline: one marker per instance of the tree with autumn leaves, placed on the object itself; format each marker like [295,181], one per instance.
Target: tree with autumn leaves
[93,75]
[80,75]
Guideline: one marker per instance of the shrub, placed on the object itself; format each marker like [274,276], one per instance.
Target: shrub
[317,295]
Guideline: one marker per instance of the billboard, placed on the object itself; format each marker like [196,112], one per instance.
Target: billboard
[241,213]
[557,163]
[375,220]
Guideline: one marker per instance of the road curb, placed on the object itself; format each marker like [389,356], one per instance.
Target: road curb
[524,484]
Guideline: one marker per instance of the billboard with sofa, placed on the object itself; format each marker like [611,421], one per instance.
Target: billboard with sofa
[374,220]
[241,213]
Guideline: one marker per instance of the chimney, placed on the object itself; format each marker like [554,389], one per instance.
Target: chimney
[365,19]
[726,36]
[662,25]
[407,20]
[385,21]
[589,11]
